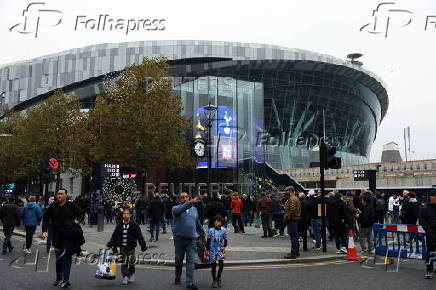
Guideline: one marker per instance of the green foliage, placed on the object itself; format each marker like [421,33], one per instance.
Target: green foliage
[137,122]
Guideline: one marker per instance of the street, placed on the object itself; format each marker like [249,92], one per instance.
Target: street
[336,274]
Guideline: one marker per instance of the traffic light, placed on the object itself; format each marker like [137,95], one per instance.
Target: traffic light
[332,161]
[46,172]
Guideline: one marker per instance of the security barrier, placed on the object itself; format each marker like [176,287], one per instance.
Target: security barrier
[400,241]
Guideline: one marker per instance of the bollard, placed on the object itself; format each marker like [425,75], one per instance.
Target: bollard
[100,218]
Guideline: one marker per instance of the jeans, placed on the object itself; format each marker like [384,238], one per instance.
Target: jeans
[30,230]
[128,262]
[49,237]
[163,223]
[63,263]
[278,223]
[365,237]
[236,217]
[8,231]
[316,228]
[153,224]
[266,226]
[182,246]
[293,234]
[228,218]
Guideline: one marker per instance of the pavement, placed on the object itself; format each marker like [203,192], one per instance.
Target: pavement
[243,248]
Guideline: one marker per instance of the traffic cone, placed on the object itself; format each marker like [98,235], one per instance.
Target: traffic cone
[351,252]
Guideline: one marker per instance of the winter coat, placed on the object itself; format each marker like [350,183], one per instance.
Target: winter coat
[428,222]
[156,209]
[264,206]
[134,236]
[247,204]
[215,207]
[31,214]
[367,216]
[338,217]
[351,212]
[292,210]
[276,209]
[306,210]
[236,205]
[410,212]
[9,214]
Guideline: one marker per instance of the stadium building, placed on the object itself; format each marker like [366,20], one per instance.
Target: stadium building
[270,99]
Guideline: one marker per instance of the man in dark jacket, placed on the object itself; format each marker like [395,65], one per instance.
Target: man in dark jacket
[263,209]
[338,220]
[61,214]
[366,219]
[9,215]
[214,207]
[305,219]
[277,209]
[140,210]
[428,221]
[380,208]
[126,236]
[155,212]
[410,210]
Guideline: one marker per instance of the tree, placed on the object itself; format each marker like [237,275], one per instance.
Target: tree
[56,128]
[137,122]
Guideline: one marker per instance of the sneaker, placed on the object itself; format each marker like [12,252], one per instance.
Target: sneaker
[125,280]
[65,284]
[344,250]
[214,284]
[363,251]
[192,286]
[27,251]
[132,278]
[151,240]
[57,283]
[429,275]
[372,251]
[339,252]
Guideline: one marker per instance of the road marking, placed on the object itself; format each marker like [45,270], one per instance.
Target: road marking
[255,267]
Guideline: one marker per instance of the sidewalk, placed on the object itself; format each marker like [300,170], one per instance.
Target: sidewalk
[247,248]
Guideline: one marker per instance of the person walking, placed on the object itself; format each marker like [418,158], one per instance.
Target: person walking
[264,210]
[379,208]
[366,219]
[185,228]
[31,215]
[277,214]
[290,219]
[304,222]
[214,207]
[338,219]
[155,212]
[236,206]
[10,217]
[351,213]
[61,214]
[126,236]
[428,222]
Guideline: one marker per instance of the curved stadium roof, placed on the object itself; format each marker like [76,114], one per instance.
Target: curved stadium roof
[79,64]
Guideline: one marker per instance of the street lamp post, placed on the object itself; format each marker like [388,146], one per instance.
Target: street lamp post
[210,109]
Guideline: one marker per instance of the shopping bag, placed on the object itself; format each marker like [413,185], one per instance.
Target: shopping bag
[257,223]
[202,259]
[106,267]
[274,232]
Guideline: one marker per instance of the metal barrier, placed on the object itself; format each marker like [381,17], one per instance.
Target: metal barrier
[400,241]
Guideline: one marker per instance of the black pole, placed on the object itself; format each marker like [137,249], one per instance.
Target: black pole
[322,165]
[322,156]
[209,154]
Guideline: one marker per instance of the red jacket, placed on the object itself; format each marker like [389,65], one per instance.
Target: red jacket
[236,204]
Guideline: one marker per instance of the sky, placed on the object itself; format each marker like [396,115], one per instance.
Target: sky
[399,52]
